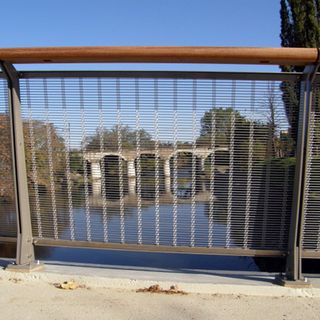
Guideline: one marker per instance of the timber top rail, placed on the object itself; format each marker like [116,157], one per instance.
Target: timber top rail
[225,55]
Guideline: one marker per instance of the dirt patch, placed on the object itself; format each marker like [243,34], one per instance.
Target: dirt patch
[69,285]
[15,280]
[157,289]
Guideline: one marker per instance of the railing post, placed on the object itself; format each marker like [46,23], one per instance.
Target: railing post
[293,275]
[25,258]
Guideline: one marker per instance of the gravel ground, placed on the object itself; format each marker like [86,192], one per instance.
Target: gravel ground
[38,299]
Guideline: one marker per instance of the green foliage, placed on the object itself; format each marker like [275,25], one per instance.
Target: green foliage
[40,147]
[76,162]
[268,141]
[6,183]
[110,139]
[300,27]
[223,117]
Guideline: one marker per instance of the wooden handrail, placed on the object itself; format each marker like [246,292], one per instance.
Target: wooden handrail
[223,55]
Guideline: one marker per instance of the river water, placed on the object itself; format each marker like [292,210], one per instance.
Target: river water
[112,224]
[136,217]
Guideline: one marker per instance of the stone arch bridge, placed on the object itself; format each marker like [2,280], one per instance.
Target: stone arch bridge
[165,154]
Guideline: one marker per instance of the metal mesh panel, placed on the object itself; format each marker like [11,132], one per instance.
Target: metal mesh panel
[181,162]
[311,227]
[8,222]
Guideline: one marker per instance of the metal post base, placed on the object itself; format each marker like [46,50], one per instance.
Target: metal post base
[283,281]
[30,267]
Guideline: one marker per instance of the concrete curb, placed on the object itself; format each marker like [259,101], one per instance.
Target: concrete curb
[137,280]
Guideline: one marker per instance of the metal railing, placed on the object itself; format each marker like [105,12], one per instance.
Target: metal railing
[200,162]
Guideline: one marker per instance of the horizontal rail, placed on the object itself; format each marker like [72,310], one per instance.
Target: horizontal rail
[159,249]
[310,254]
[8,239]
[306,254]
[226,55]
[250,76]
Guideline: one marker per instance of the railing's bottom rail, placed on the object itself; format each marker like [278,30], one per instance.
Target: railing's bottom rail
[159,248]
[306,254]
[310,254]
[8,239]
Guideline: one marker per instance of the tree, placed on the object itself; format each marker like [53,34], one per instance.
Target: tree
[110,139]
[41,150]
[6,182]
[280,142]
[300,27]
[222,119]
[40,147]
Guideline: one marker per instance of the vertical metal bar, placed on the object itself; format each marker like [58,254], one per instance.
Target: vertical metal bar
[284,206]
[266,200]
[120,161]
[50,162]
[138,152]
[102,164]
[25,250]
[293,267]
[270,150]
[194,164]
[212,165]
[66,133]
[312,153]
[157,162]
[34,161]
[175,163]
[310,135]
[85,169]
[231,164]
[250,165]
[309,158]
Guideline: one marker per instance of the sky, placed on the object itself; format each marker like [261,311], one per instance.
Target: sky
[254,23]
[42,23]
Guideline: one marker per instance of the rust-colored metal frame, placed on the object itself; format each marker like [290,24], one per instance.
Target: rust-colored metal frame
[160,248]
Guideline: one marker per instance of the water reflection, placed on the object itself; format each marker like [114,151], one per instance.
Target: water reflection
[235,222]
[244,226]
[153,174]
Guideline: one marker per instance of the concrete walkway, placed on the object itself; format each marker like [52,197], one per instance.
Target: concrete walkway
[110,293]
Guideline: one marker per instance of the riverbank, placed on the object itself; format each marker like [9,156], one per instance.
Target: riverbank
[104,293]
